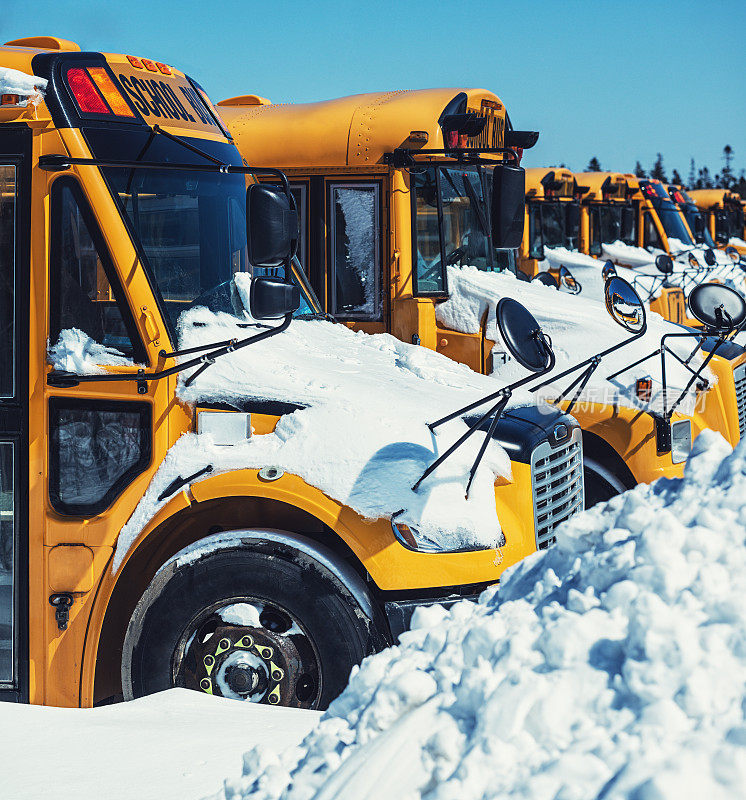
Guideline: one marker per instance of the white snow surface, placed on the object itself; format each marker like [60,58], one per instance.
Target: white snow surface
[169,746]
[610,667]
[736,242]
[13,81]
[75,351]
[361,437]
[578,326]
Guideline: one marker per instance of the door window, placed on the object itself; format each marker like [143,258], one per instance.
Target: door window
[300,192]
[7,547]
[355,250]
[650,232]
[85,295]
[7,278]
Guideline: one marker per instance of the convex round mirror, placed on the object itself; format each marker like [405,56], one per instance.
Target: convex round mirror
[523,336]
[718,307]
[664,264]
[732,254]
[693,261]
[709,257]
[546,278]
[608,270]
[568,281]
[624,305]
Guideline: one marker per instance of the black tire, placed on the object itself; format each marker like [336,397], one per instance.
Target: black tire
[339,630]
[600,484]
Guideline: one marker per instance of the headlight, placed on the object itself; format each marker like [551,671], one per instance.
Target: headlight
[681,440]
[413,539]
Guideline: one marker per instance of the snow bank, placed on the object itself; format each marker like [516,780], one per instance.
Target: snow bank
[628,254]
[361,435]
[75,351]
[611,666]
[578,326]
[168,746]
[12,81]
[734,241]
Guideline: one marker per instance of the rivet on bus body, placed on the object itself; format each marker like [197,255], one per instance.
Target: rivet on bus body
[444,342]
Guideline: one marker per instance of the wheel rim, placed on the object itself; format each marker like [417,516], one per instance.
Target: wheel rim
[249,649]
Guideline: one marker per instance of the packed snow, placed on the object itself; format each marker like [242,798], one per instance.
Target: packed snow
[361,435]
[75,351]
[169,746]
[578,326]
[734,241]
[610,666]
[29,87]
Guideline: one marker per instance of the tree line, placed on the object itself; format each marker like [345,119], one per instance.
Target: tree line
[698,178]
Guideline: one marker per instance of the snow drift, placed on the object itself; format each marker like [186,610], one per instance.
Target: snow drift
[611,666]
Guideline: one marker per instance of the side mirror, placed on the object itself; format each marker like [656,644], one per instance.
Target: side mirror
[709,257]
[719,308]
[546,278]
[699,228]
[624,305]
[568,280]
[608,270]
[270,298]
[693,262]
[732,254]
[271,226]
[664,264]
[508,206]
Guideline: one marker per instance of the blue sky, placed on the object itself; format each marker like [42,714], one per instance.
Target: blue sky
[619,80]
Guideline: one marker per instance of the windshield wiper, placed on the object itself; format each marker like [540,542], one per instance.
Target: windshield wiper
[476,205]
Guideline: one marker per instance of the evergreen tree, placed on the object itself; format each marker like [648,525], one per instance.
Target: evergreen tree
[594,165]
[727,179]
[740,185]
[639,171]
[676,178]
[692,175]
[658,172]
[704,181]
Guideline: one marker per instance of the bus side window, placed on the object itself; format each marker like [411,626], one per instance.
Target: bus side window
[651,237]
[428,271]
[355,250]
[300,195]
[83,294]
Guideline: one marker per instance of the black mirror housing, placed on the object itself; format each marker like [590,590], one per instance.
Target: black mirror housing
[270,298]
[709,257]
[508,206]
[271,226]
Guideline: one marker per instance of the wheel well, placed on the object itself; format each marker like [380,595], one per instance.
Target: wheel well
[179,531]
[597,449]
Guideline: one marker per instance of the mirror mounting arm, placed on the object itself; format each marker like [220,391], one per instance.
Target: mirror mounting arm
[503,397]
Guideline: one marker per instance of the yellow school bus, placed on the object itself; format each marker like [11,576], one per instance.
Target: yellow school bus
[376,169]
[123,202]
[724,214]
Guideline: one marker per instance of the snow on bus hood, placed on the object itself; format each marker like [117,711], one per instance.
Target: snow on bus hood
[361,436]
[578,327]
[611,666]
[13,81]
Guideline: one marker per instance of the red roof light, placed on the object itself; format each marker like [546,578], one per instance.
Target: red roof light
[86,95]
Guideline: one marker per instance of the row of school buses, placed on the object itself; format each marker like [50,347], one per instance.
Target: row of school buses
[104,228]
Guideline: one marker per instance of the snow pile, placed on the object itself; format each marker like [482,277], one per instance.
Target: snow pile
[611,666]
[578,326]
[734,241]
[12,81]
[361,435]
[75,351]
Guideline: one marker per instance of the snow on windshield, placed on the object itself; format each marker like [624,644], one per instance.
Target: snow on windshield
[609,666]
[13,81]
[579,327]
[361,435]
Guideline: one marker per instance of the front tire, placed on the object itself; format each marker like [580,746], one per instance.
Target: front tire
[601,484]
[293,641]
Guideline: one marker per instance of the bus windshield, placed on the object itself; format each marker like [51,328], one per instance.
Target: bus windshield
[672,221]
[696,220]
[191,228]
[451,224]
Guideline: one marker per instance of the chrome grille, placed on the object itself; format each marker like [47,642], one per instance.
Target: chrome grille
[557,482]
[739,376]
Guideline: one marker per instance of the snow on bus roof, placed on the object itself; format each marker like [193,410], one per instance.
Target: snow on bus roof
[30,87]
